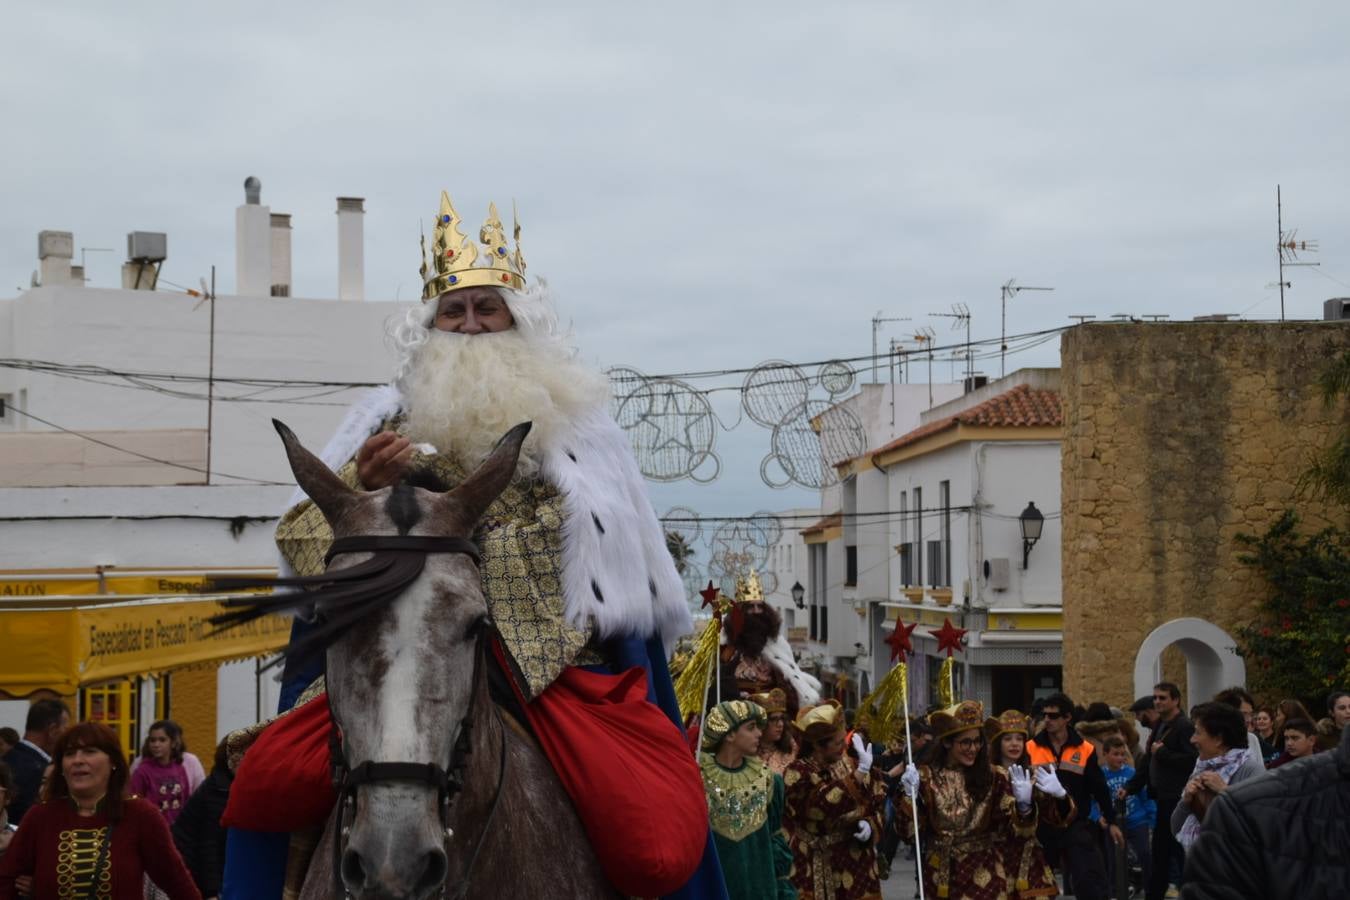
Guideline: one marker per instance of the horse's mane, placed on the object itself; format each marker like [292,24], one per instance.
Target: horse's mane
[348,595]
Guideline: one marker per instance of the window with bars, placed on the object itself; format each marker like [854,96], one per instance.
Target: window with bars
[115,704]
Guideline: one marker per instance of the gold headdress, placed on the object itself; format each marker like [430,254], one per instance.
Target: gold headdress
[748,589]
[821,721]
[455,259]
[965,715]
[726,717]
[773,701]
[1010,722]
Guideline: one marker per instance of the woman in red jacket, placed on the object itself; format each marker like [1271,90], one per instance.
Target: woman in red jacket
[88,839]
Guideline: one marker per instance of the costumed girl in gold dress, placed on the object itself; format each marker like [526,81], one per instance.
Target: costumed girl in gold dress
[1024,858]
[834,811]
[776,745]
[968,810]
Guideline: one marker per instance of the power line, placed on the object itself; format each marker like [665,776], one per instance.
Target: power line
[153,459]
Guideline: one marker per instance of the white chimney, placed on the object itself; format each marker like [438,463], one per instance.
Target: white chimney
[351,213]
[55,251]
[252,244]
[281,254]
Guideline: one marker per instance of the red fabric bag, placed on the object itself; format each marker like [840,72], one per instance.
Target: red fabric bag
[636,788]
[285,782]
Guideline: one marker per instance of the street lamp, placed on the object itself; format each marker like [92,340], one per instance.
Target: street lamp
[1031,522]
[799,595]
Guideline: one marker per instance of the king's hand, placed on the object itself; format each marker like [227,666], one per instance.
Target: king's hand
[383,460]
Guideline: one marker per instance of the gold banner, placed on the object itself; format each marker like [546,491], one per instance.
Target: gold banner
[65,649]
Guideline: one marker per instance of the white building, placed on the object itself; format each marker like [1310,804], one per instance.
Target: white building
[928,530]
[838,635]
[117,483]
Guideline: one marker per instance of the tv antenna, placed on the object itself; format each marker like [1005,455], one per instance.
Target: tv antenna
[1287,248]
[877,322]
[924,338]
[960,315]
[1009,290]
[1081,319]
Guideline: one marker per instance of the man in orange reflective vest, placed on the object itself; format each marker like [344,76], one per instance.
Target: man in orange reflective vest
[1078,846]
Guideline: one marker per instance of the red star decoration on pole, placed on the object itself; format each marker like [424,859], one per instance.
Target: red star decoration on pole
[949,637]
[709,595]
[899,641]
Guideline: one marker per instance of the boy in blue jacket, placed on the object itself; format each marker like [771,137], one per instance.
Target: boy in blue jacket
[1140,809]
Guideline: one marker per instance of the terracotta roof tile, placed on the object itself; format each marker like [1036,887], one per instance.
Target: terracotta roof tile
[1021,407]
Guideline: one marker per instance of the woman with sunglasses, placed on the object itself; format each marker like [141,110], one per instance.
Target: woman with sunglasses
[969,810]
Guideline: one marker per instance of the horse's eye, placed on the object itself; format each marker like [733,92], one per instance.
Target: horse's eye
[476,628]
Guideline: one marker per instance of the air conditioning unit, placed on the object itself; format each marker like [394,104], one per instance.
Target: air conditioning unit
[1335,309]
[147,246]
[998,573]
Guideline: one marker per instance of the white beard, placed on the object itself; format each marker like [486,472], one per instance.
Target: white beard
[463,392]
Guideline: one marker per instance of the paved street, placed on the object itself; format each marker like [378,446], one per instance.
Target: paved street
[900,886]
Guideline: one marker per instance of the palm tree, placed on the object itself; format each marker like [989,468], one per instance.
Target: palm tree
[680,551]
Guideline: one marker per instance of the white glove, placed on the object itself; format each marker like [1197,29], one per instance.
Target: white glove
[864,754]
[1048,782]
[910,781]
[864,832]
[1021,785]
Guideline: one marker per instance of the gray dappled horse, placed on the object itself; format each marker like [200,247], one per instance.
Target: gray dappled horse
[443,794]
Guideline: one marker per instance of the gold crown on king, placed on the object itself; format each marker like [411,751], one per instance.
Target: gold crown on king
[458,262]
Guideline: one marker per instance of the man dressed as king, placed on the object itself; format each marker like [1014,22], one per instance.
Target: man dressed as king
[574,565]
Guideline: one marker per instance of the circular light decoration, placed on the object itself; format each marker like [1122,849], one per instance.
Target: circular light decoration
[769,525]
[771,390]
[683,521]
[675,433]
[624,383]
[836,377]
[812,438]
[737,547]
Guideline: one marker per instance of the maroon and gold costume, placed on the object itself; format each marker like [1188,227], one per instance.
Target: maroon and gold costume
[59,849]
[966,842]
[823,807]
[1023,856]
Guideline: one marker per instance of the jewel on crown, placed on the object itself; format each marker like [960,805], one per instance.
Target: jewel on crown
[457,261]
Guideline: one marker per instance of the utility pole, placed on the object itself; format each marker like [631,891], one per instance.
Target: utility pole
[1287,248]
[877,321]
[1009,290]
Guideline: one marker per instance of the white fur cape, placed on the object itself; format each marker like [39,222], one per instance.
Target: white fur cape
[617,572]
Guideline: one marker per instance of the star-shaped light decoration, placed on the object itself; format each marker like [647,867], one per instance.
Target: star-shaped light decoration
[899,641]
[949,637]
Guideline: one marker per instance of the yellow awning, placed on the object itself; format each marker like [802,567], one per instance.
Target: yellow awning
[62,644]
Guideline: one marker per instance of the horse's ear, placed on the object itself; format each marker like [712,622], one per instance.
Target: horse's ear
[318,481]
[475,494]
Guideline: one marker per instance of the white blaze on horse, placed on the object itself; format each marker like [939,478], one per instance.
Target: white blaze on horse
[443,793]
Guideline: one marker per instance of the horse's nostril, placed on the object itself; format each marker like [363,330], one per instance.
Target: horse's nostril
[353,873]
[433,871]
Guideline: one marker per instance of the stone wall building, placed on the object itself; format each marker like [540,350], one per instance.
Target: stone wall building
[1177,438]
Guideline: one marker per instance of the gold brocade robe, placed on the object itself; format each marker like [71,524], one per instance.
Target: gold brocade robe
[966,843]
[822,809]
[520,539]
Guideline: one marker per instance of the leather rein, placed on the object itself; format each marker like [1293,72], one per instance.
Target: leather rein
[448,781]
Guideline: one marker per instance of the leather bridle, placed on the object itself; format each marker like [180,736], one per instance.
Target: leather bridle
[448,781]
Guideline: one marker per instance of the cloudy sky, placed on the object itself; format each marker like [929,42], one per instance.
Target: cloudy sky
[709,185]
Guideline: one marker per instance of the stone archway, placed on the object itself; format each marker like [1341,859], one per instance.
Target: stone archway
[1212,661]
